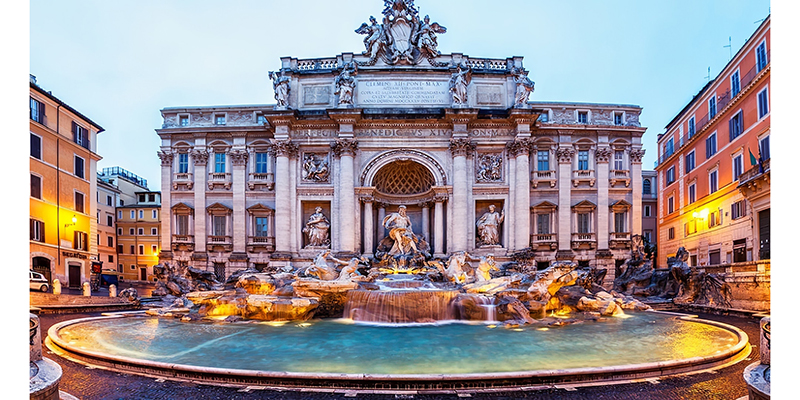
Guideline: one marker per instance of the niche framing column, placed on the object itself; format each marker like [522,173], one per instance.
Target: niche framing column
[565,154]
[346,150]
[460,148]
[284,150]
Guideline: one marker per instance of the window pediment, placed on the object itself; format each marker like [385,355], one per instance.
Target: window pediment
[584,206]
[219,209]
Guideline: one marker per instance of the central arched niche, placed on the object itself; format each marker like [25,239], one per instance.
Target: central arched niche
[403,177]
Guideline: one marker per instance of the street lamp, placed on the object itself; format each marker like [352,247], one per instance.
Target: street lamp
[74,221]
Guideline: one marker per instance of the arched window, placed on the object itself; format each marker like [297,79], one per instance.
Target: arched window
[646,186]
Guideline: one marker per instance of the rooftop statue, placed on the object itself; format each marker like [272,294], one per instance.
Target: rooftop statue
[425,37]
[281,85]
[458,85]
[346,83]
[525,87]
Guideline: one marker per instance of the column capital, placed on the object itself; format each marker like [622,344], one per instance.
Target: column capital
[461,147]
[166,157]
[602,154]
[636,155]
[284,148]
[565,154]
[519,147]
[238,157]
[344,147]
[200,157]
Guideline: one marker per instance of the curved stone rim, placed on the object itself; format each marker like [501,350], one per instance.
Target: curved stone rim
[404,382]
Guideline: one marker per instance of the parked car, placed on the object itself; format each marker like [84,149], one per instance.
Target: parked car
[39,282]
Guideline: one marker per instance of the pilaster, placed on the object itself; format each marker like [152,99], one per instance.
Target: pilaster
[602,156]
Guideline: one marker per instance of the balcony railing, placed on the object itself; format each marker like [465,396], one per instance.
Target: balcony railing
[183,242]
[722,102]
[219,178]
[182,178]
[584,239]
[267,242]
[619,176]
[754,171]
[261,178]
[543,176]
[583,175]
[216,241]
[219,239]
[544,239]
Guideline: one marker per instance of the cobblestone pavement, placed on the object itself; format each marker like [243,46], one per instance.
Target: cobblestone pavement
[96,384]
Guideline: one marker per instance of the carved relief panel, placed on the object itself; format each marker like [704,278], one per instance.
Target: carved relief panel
[489,168]
[316,167]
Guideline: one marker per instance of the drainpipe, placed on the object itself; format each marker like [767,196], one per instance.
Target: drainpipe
[58,186]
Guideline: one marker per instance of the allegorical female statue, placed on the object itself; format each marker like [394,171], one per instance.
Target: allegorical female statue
[280,83]
[316,229]
[346,84]
[458,85]
[489,227]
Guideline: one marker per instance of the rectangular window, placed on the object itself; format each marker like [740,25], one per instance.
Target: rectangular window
[713,219]
[120,250]
[714,257]
[583,160]
[543,160]
[736,126]
[690,228]
[261,227]
[81,241]
[583,117]
[184,120]
[131,231]
[219,225]
[261,119]
[36,186]
[619,222]
[119,231]
[711,145]
[763,148]
[109,220]
[133,249]
[109,201]
[119,268]
[183,163]
[712,107]
[140,231]
[692,193]
[689,161]
[619,160]
[182,224]
[646,211]
[79,167]
[36,146]
[738,209]
[133,214]
[151,198]
[219,162]
[110,258]
[119,214]
[37,111]
[648,236]
[670,205]
[671,175]
[141,214]
[691,127]
[141,249]
[261,163]
[219,120]
[761,56]
[155,214]
[713,184]
[79,202]
[671,233]
[737,167]
[669,147]
[735,84]
[154,248]
[80,135]
[583,223]
[617,118]
[141,198]
[110,241]
[543,224]
[37,230]
[154,231]
[763,104]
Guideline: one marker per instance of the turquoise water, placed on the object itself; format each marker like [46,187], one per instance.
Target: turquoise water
[341,346]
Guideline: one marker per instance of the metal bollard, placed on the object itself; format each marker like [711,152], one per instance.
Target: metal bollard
[112,290]
[87,289]
[56,286]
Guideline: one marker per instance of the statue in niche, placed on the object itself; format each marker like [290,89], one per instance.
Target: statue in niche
[490,168]
[458,85]
[399,226]
[280,83]
[316,229]
[425,37]
[345,84]
[489,227]
[315,168]
[375,41]
[525,87]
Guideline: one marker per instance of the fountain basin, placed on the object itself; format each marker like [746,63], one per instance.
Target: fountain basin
[324,354]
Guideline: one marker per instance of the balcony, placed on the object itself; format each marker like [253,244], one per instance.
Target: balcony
[219,243]
[584,241]
[619,240]
[256,244]
[544,241]
[260,179]
[618,176]
[182,242]
[219,179]
[538,177]
[182,179]
[583,175]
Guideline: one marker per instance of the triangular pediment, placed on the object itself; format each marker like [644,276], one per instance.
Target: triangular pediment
[585,205]
[182,208]
[545,205]
[219,208]
[260,209]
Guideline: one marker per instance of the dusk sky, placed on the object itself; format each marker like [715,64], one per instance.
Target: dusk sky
[120,62]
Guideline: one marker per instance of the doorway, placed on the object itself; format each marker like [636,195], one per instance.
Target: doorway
[763,234]
[42,266]
[143,273]
[74,275]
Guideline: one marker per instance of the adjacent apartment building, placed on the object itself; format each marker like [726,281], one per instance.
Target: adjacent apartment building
[63,201]
[138,223]
[714,165]
[649,206]
[107,198]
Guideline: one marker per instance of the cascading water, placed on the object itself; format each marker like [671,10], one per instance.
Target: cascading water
[400,306]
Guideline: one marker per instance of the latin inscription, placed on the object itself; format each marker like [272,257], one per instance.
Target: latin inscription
[403,132]
[405,92]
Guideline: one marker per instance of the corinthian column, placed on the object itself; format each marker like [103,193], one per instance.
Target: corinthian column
[369,231]
[166,201]
[520,149]
[284,150]
[346,150]
[459,149]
